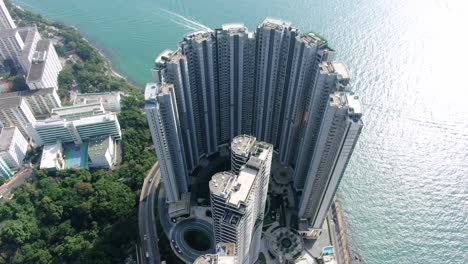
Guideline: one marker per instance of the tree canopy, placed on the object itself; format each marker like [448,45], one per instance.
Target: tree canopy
[81,216]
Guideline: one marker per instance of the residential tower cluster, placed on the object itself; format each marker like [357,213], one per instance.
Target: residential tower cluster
[273,94]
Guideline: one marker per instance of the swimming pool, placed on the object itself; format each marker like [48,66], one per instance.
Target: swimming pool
[327,250]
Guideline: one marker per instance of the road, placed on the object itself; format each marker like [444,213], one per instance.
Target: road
[146,221]
[16,181]
[164,218]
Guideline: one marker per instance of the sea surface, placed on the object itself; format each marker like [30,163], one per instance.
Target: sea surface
[405,193]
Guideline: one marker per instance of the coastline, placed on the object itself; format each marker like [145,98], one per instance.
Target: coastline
[340,241]
[106,58]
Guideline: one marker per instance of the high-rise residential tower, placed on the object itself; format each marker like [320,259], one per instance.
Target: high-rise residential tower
[275,43]
[41,102]
[15,112]
[30,37]
[11,45]
[200,49]
[163,120]
[45,66]
[171,67]
[13,147]
[331,77]
[6,22]
[309,51]
[337,138]
[238,200]
[236,65]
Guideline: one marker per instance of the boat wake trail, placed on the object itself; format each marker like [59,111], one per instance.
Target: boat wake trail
[184,21]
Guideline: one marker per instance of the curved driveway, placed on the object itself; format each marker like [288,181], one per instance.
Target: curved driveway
[177,234]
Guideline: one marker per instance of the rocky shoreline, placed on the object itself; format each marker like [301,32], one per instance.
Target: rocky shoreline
[105,58]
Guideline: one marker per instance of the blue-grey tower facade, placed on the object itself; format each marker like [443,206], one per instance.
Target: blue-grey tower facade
[331,77]
[163,120]
[200,49]
[236,61]
[275,41]
[337,137]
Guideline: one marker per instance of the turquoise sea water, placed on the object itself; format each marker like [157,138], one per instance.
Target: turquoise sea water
[405,193]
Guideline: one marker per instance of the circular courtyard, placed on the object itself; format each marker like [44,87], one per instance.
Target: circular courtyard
[191,238]
[284,242]
[197,239]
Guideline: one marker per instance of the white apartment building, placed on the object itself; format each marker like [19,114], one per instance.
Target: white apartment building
[13,147]
[6,22]
[30,37]
[45,66]
[48,131]
[15,112]
[110,101]
[11,45]
[41,101]
[52,157]
[238,200]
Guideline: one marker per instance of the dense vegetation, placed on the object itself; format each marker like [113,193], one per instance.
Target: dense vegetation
[80,216]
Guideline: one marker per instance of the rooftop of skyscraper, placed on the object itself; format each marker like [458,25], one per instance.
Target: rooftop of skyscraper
[153,90]
[312,39]
[6,135]
[8,32]
[235,27]
[164,57]
[341,70]
[199,35]
[242,145]
[39,60]
[6,103]
[347,100]
[240,189]
[275,23]
[220,181]
[27,93]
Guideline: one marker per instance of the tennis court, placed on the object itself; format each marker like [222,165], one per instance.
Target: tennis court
[5,87]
